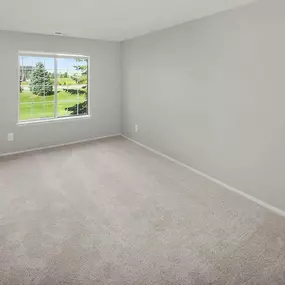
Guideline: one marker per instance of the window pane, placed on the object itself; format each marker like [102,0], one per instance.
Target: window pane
[36,88]
[72,80]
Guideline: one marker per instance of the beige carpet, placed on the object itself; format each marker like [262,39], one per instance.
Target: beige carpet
[110,212]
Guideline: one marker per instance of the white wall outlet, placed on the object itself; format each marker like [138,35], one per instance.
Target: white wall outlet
[10,137]
[136,128]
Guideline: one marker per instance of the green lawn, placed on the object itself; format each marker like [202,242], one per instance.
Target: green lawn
[36,107]
[60,81]
[64,81]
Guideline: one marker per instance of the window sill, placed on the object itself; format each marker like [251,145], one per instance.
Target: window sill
[44,121]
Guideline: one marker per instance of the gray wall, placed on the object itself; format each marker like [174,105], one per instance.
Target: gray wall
[211,93]
[105,92]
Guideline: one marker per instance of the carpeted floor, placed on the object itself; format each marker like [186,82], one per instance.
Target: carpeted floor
[110,212]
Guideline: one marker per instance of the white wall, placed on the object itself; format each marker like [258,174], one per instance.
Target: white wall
[105,92]
[211,93]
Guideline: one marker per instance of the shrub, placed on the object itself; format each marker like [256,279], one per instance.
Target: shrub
[75,91]
[82,108]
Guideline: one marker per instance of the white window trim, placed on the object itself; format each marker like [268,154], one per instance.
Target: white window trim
[55,119]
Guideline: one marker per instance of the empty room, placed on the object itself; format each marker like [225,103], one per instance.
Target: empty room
[142,142]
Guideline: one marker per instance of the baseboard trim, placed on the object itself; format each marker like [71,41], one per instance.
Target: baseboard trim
[233,189]
[57,145]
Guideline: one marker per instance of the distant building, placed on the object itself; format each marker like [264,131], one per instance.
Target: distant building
[25,72]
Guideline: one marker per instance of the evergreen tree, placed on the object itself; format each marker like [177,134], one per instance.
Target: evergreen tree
[40,81]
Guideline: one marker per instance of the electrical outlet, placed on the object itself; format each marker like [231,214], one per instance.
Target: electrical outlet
[10,137]
[136,128]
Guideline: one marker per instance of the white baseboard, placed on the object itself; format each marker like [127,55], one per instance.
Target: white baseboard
[233,189]
[57,145]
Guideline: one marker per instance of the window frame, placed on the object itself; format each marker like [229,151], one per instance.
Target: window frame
[54,56]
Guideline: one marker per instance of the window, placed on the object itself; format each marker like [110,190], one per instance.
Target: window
[52,86]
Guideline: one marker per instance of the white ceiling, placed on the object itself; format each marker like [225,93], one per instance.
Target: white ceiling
[115,20]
